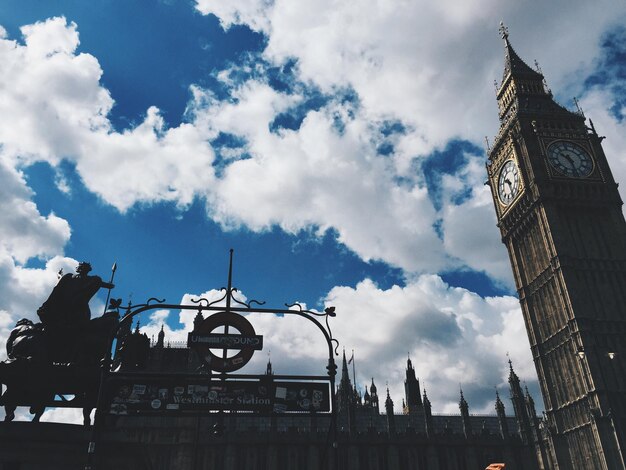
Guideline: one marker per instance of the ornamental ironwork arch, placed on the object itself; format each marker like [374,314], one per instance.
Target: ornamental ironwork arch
[229,314]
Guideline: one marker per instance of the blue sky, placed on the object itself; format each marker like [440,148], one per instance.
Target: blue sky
[337,148]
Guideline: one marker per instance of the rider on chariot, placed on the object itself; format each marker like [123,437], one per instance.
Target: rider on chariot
[68,304]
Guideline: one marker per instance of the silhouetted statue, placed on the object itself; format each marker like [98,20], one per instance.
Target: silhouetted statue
[61,354]
[68,304]
[23,341]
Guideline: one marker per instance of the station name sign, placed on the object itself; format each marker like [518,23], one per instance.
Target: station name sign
[168,394]
[222,341]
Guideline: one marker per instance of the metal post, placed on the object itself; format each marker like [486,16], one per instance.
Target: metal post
[95,428]
[332,372]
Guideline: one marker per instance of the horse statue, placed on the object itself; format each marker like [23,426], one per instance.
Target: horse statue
[61,355]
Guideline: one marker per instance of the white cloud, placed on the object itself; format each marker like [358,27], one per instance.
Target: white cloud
[469,227]
[430,66]
[249,12]
[318,175]
[24,234]
[453,336]
[23,231]
[596,105]
[55,108]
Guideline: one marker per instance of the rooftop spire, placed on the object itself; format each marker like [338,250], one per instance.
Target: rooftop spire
[513,64]
[504,32]
[462,402]
[268,368]
[499,404]
[161,338]
[345,376]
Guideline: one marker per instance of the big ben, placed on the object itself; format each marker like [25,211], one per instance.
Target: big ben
[560,217]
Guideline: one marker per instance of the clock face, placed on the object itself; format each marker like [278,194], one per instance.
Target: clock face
[570,159]
[508,182]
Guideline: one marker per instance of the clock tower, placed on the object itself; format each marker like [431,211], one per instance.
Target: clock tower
[560,217]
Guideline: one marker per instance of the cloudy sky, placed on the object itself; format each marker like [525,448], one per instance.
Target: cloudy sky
[337,147]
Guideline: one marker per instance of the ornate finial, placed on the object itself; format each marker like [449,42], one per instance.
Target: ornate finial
[137,327]
[504,31]
[537,67]
[578,108]
[495,85]
[487,144]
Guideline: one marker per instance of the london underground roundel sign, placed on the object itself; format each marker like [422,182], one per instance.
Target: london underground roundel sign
[206,343]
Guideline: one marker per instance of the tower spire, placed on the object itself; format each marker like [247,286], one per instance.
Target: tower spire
[504,32]
[500,411]
[161,338]
[519,405]
[428,417]
[464,408]
[513,64]
[391,424]
[412,393]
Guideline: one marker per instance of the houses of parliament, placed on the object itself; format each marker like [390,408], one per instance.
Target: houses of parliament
[560,217]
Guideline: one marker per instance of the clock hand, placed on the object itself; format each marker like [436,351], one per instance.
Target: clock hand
[506,180]
[568,158]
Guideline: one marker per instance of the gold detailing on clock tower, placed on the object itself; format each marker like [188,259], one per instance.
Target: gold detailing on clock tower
[566,237]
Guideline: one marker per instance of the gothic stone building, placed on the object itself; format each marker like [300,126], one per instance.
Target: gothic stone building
[560,216]
[371,435]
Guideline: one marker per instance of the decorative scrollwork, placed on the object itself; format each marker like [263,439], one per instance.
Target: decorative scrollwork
[220,299]
[115,304]
[330,332]
[296,304]
[300,309]
[327,313]
[200,300]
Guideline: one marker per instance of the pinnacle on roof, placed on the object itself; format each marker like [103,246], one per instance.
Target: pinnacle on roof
[512,375]
[499,404]
[462,403]
[388,401]
[161,337]
[529,397]
[513,64]
[344,367]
